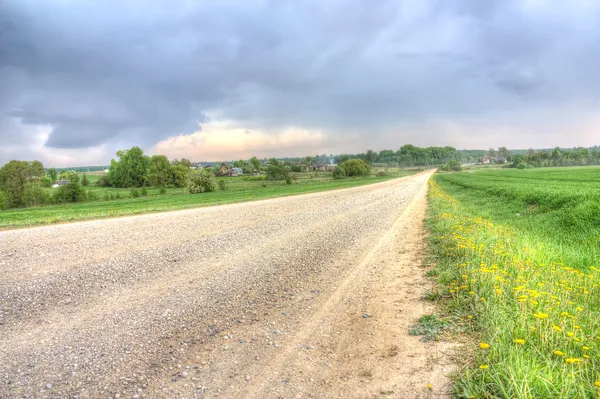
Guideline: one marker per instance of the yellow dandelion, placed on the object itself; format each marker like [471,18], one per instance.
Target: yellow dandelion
[559,353]
[429,387]
[585,348]
[484,367]
[520,341]
[597,383]
[484,345]
[557,328]
[571,360]
[571,334]
[541,315]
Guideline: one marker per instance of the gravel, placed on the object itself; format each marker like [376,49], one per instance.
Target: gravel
[181,304]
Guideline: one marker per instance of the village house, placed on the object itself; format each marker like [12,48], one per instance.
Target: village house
[61,182]
[236,172]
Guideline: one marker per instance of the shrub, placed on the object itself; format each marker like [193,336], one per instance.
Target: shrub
[381,174]
[201,181]
[288,180]
[91,195]
[106,196]
[72,192]
[135,193]
[222,185]
[356,167]
[103,181]
[34,195]
[339,172]
[85,181]
[144,192]
[163,190]
[118,195]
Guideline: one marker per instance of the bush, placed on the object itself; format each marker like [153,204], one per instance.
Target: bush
[144,192]
[84,181]
[381,174]
[46,181]
[34,195]
[222,185]
[277,172]
[135,193]
[452,166]
[103,181]
[162,191]
[288,180]
[106,196]
[339,173]
[356,167]
[72,192]
[201,181]
[91,195]
[118,195]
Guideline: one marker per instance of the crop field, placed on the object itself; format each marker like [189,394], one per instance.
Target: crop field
[517,256]
[112,202]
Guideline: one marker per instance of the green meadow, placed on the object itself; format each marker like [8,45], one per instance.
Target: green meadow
[113,202]
[517,255]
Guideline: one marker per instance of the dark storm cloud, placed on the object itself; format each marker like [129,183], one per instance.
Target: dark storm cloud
[123,71]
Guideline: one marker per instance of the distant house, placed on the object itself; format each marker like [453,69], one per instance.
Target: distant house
[236,172]
[324,167]
[62,182]
[485,160]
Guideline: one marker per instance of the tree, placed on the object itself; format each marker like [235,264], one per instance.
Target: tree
[72,192]
[503,152]
[183,161]
[180,175]
[370,156]
[201,181]
[308,161]
[256,163]
[160,172]
[356,167]
[130,170]
[53,174]
[15,175]
[84,181]
[276,171]
[34,194]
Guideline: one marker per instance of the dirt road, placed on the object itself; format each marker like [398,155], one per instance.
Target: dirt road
[308,296]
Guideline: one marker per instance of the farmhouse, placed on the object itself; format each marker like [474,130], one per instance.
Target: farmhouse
[236,172]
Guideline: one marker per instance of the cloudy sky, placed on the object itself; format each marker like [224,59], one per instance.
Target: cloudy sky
[224,79]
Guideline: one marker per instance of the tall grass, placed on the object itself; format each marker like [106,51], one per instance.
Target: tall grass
[516,255]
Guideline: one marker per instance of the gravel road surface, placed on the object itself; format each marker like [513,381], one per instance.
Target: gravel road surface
[307,296]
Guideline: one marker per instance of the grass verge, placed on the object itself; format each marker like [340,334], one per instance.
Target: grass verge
[531,306]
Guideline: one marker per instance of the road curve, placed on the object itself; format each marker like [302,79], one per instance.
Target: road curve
[226,301]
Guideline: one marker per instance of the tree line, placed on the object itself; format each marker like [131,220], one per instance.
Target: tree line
[410,155]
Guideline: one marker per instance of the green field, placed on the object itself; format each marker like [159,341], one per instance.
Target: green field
[238,189]
[516,254]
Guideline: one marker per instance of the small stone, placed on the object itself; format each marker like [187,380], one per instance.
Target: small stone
[248,378]
[48,386]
